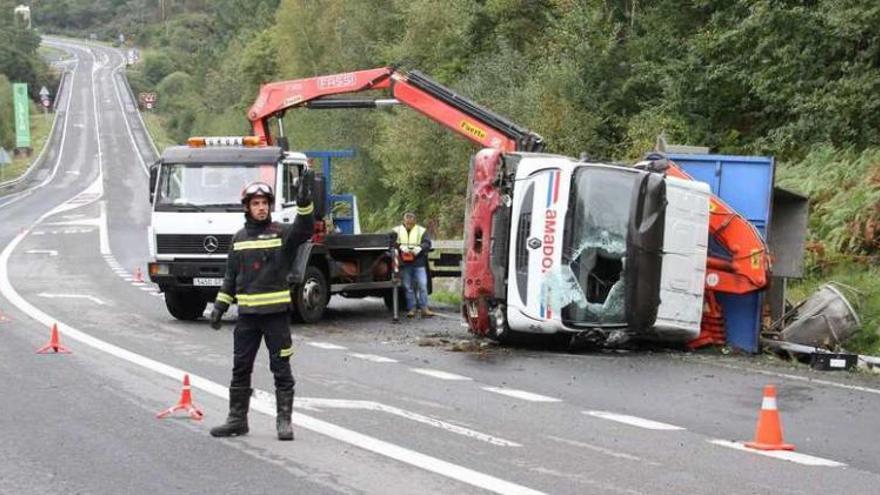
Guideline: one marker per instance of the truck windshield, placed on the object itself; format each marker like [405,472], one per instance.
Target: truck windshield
[589,284]
[203,187]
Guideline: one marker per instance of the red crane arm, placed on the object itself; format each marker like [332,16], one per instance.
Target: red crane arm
[749,266]
[466,118]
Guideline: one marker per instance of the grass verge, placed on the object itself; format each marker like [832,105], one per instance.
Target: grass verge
[156,128]
[41,125]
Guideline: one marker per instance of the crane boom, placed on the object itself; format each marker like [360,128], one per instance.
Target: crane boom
[413,89]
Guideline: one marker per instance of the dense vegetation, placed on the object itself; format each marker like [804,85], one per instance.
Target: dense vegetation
[19,62]
[798,80]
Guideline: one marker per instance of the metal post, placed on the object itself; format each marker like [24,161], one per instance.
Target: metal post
[395,277]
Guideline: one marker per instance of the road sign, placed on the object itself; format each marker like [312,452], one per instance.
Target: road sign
[5,159]
[148,100]
[44,91]
[22,116]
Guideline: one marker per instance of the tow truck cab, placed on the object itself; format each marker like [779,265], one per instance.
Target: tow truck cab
[195,191]
[605,252]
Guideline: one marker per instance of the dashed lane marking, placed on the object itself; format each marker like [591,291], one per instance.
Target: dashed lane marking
[785,455]
[372,358]
[521,394]
[327,345]
[632,420]
[441,375]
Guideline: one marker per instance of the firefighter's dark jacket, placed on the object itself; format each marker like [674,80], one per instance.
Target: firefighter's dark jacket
[259,261]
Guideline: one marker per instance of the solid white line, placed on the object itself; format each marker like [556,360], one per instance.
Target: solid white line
[372,357]
[318,404]
[69,96]
[125,118]
[442,375]
[71,296]
[817,381]
[521,394]
[50,252]
[785,455]
[632,420]
[326,345]
[387,449]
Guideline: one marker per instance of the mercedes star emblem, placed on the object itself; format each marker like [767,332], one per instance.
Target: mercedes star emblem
[211,243]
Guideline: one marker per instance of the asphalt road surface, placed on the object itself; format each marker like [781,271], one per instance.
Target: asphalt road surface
[380,408]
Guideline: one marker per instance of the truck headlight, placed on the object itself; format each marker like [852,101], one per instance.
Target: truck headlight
[159,269]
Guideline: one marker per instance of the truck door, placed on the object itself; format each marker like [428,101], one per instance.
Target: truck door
[286,196]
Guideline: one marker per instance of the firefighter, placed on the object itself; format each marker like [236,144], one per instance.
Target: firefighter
[260,259]
[413,244]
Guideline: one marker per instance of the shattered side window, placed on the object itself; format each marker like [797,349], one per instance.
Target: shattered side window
[588,287]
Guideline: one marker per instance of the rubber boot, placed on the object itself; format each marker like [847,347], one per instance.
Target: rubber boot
[284,404]
[236,423]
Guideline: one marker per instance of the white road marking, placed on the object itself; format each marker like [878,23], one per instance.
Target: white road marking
[318,404]
[632,420]
[72,296]
[807,379]
[602,450]
[147,289]
[785,455]
[68,95]
[372,357]
[50,252]
[442,375]
[326,345]
[521,394]
[351,437]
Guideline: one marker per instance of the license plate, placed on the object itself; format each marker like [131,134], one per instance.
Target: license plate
[208,282]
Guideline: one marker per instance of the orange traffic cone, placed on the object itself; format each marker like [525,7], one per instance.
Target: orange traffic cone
[768,434]
[54,343]
[138,275]
[184,403]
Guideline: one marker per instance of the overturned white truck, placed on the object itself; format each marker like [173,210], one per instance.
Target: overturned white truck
[605,253]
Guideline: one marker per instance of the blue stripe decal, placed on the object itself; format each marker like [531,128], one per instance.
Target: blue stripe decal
[551,176]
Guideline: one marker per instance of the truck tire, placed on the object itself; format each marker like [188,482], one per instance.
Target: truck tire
[185,305]
[310,298]
[499,331]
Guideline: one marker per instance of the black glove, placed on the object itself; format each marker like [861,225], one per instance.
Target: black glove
[216,315]
[304,188]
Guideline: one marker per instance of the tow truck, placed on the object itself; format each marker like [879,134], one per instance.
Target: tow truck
[194,190]
[604,253]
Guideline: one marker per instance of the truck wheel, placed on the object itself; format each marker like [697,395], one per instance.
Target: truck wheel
[311,297]
[401,299]
[185,306]
[499,331]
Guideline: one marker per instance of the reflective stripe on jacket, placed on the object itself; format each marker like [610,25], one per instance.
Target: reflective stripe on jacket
[259,261]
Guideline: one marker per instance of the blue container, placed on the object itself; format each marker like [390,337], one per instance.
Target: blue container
[745,183]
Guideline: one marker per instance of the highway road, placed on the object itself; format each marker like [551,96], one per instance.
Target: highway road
[380,408]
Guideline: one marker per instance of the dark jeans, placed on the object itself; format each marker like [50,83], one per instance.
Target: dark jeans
[249,332]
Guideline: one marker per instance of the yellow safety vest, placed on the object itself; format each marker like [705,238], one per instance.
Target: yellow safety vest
[412,238]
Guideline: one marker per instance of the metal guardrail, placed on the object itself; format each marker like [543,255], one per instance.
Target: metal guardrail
[445,258]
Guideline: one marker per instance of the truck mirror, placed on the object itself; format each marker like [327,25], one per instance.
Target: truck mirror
[154,178]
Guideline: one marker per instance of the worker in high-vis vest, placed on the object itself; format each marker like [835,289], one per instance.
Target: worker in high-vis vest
[259,262]
[413,244]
